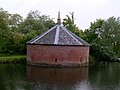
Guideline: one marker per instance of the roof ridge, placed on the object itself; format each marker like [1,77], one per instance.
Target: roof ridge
[43,34]
[65,29]
[79,38]
[57,34]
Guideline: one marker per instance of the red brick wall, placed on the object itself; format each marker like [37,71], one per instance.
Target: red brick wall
[57,54]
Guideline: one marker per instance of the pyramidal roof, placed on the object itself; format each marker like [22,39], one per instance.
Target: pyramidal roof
[58,35]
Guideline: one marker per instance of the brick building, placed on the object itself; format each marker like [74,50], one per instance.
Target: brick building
[58,47]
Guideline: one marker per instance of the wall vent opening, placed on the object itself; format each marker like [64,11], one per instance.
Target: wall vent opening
[80,59]
[55,59]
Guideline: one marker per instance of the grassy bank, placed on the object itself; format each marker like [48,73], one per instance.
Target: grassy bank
[12,59]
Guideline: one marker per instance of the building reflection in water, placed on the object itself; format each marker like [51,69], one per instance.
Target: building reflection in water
[60,78]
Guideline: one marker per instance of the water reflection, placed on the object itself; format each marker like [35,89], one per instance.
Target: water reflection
[12,76]
[105,77]
[24,77]
[57,78]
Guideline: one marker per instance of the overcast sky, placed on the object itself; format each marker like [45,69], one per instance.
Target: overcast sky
[85,11]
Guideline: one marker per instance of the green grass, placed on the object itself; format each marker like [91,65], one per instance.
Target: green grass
[12,58]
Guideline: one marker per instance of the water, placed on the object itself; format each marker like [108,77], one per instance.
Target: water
[25,77]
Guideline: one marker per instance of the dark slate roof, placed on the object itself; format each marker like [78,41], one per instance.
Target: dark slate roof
[58,35]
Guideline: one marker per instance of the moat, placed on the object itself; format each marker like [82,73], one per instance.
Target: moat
[26,77]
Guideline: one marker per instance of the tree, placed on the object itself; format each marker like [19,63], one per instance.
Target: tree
[34,22]
[69,23]
[104,35]
[93,34]
[16,31]
[111,33]
[4,30]
[14,21]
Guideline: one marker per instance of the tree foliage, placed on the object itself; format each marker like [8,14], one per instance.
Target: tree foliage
[104,35]
[16,31]
[69,23]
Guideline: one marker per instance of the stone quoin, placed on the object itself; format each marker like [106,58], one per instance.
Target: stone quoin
[58,47]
